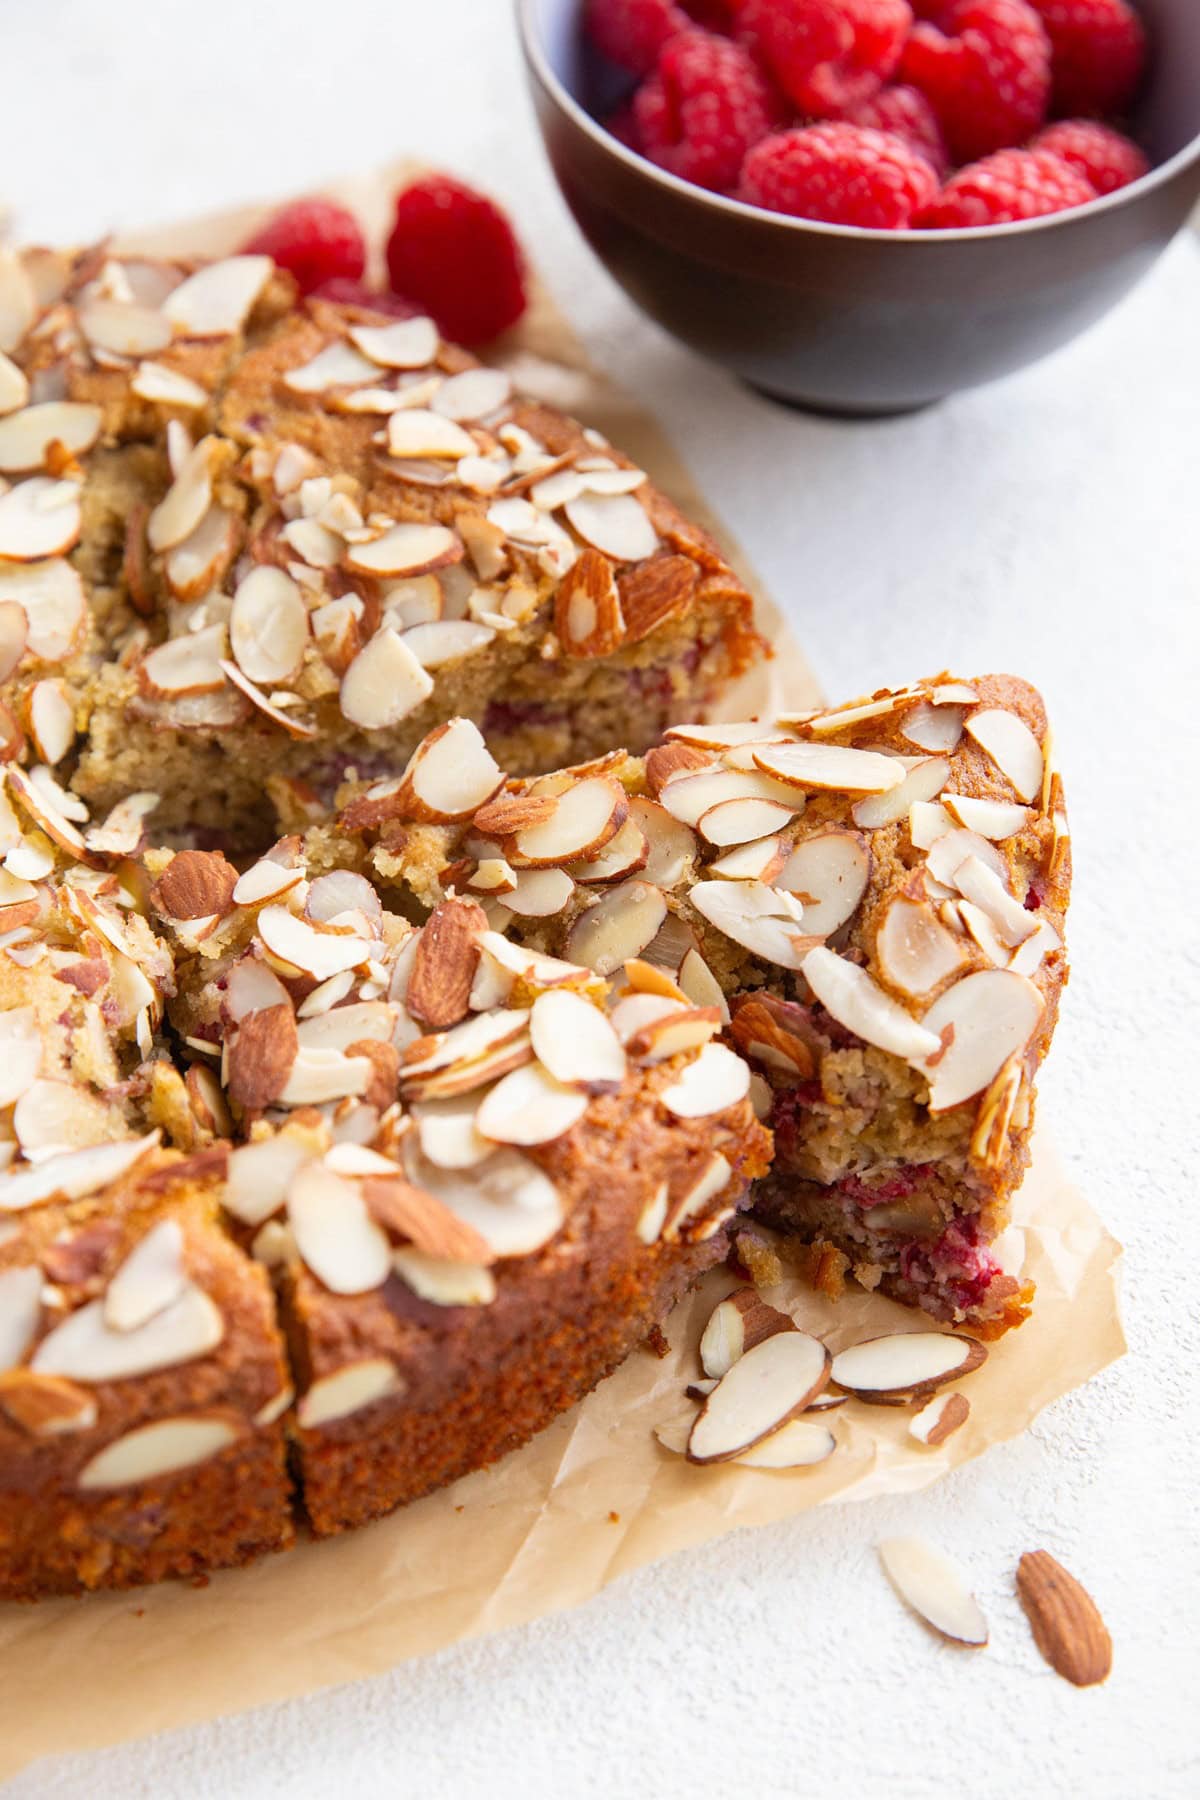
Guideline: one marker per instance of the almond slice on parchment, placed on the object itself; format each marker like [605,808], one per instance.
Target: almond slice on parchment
[734,1326]
[799,1444]
[1065,1620]
[934,1587]
[912,1363]
[764,1389]
[939,1418]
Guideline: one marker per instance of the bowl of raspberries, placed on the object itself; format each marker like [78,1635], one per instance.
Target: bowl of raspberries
[865,205]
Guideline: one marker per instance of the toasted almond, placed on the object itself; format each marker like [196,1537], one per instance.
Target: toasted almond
[185,665]
[796,1445]
[407,344]
[73,1175]
[444,967]
[1065,1620]
[268,625]
[939,1418]
[20,1052]
[587,608]
[734,1326]
[758,861]
[151,1278]
[335,1234]
[762,1391]
[980,1022]
[584,818]
[45,1405]
[51,596]
[415,1216]
[762,919]
[807,765]
[86,1348]
[656,591]
[620,926]
[261,1055]
[465,1043]
[20,1310]
[860,1004]
[123,327]
[348,1390]
[26,436]
[674,1033]
[760,1027]
[151,1451]
[295,944]
[258,1176]
[218,298]
[935,1588]
[911,1363]
[714,1082]
[1010,744]
[405,550]
[39,518]
[529,1106]
[575,1041]
[509,813]
[384,683]
[14,385]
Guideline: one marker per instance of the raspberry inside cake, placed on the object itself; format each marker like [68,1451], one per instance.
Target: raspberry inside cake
[872,896]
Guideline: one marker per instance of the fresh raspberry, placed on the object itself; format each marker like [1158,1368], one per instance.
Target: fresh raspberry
[356,293]
[454,253]
[827,55]
[1106,158]
[632,32]
[315,240]
[907,114]
[844,174]
[1099,51]
[703,108]
[1012,184]
[985,71]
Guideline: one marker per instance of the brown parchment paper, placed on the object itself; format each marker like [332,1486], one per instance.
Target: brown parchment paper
[596,1495]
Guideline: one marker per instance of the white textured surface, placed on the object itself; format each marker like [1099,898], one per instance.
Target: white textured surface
[1046,525]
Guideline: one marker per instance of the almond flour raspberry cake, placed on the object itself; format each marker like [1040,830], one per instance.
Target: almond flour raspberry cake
[871,899]
[243,536]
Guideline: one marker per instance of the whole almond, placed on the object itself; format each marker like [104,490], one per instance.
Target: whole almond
[1066,1623]
[419,1218]
[194,884]
[439,988]
[261,1055]
[655,591]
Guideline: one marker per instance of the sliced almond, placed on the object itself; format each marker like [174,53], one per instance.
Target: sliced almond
[338,365]
[1010,744]
[14,385]
[860,1004]
[742,821]
[922,783]
[414,1216]
[167,387]
[689,797]
[797,1445]
[151,1278]
[445,1283]
[764,920]
[264,880]
[86,1348]
[151,1451]
[198,564]
[51,596]
[443,641]
[335,1234]
[830,766]
[617,524]
[618,927]
[465,1043]
[761,1028]
[587,608]
[258,1176]
[408,344]
[575,1041]
[939,1418]
[218,298]
[300,946]
[261,1056]
[915,953]
[981,1021]
[670,847]
[45,1405]
[1065,1620]
[828,872]
[73,1175]
[735,1326]
[26,436]
[764,1389]
[759,861]
[910,1363]
[14,630]
[348,1390]
[123,327]
[186,665]
[935,1588]
[405,550]
[474,394]
[18,300]
[384,683]
[584,818]
[662,1038]
[416,432]
[624,855]
[507,1199]
[268,625]
[714,1082]
[38,518]
[20,1053]
[935,728]
[20,1310]
[187,500]
[447,1134]
[52,1116]
[993,819]
[529,1106]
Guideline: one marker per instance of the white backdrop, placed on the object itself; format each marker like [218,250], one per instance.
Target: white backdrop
[1046,525]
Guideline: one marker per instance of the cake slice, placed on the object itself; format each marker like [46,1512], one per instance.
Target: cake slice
[242,538]
[475,1201]
[873,897]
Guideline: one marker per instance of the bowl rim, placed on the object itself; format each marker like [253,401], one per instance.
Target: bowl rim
[641,166]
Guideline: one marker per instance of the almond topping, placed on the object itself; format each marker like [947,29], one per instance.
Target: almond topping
[195,884]
[714,1082]
[45,1405]
[830,766]
[217,299]
[443,969]
[414,1216]
[619,927]
[384,683]
[408,344]
[38,518]
[528,1106]
[26,436]
[1011,746]
[583,820]
[587,608]
[989,1016]
[152,1451]
[939,1418]
[735,1326]
[262,1053]
[914,1362]
[268,625]
[575,1041]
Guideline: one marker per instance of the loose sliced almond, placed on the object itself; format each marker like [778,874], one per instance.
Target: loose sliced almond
[384,683]
[766,1388]
[123,327]
[935,1588]
[151,1451]
[911,1363]
[829,872]
[797,1445]
[830,766]
[1065,1620]
[764,920]
[408,344]
[167,387]
[714,1082]
[935,728]
[922,783]
[151,1278]
[51,596]
[575,1042]
[1010,744]
[20,1310]
[38,518]
[617,524]
[915,953]
[86,1348]
[618,927]
[218,298]
[348,1390]
[26,436]
[981,1021]
[860,1004]
[735,1326]
[405,550]
[939,1418]
[584,818]
[529,1106]
[268,625]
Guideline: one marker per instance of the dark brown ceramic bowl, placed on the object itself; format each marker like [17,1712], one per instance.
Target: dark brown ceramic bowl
[854,321]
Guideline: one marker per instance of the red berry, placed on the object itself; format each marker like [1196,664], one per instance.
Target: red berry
[355,293]
[315,240]
[985,71]
[843,174]
[1099,50]
[907,114]
[632,32]
[827,55]
[1012,184]
[703,108]
[453,252]
[1106,158]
